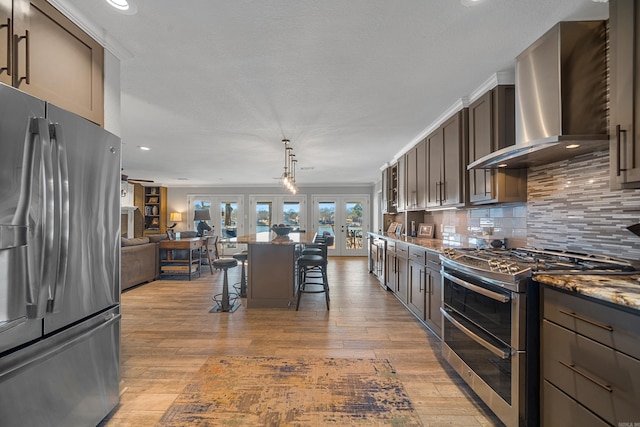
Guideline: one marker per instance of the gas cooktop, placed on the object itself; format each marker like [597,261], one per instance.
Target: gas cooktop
[526,261]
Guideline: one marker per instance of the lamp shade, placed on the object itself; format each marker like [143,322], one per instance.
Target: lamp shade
[175,217]
[201,215]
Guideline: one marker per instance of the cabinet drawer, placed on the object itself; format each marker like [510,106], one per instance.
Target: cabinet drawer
[391,246]
[418,255]
[600,378]
[607,325]
[402,250]
[433,260]
[559,410]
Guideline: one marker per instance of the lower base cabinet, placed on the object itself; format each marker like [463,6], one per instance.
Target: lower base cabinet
[402,265]
[590,362]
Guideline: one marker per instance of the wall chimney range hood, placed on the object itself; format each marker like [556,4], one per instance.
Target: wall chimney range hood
[561,105]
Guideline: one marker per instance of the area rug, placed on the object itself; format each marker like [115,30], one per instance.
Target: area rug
[268,391]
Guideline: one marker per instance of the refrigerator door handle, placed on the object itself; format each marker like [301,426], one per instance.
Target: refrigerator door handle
[38,221]
[61,194]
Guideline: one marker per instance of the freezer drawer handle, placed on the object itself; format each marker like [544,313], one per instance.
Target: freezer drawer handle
[582,374]
[504,355]
[587,320]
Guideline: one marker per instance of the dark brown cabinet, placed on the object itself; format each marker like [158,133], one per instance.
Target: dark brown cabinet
[433,316]
[402,268]
[446,148]
[416,165]
[401,186]
[492,127]
[417,286]
[590,361]
[46,55]
[390,189]
[391,266]
[625,94]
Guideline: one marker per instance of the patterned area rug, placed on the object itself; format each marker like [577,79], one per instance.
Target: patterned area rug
[268,391]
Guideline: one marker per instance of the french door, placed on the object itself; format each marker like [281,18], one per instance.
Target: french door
[227,215]
[347,218]
[268,209]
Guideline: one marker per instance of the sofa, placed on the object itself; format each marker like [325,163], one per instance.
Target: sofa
[139,260]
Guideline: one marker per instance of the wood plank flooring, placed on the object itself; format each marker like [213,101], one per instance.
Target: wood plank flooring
[168,334]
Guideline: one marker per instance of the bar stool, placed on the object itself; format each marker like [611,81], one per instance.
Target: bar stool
[225,302]
[305,264]
[242,258]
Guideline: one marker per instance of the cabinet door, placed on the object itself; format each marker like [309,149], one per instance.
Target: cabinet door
[402,184]
[385,191]
[412,185]
[391,271]
[417,289]
[421,172]
[480,137]
[434,183]
[62,64]
[434,297]
[625,90]
[453,139]
[6,32]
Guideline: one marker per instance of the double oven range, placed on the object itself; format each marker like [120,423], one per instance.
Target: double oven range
[491,318]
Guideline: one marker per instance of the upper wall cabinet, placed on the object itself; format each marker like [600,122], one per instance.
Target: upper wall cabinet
[402,184]
[46,55]
[416,166]
[446,148]
[492,127]
[625,94]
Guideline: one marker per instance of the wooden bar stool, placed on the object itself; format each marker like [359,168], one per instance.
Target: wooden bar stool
[225,302]
[307,263]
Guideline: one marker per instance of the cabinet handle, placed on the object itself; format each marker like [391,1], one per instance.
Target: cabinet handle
[27,62]
[487,171]
[587,320]
[8,67]
[582,374]
[619,132]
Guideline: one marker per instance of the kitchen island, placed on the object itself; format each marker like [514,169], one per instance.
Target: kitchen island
[272,268]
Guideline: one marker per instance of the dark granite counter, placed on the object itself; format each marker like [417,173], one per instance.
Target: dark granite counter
[623,290]
[270,238]
[430,244]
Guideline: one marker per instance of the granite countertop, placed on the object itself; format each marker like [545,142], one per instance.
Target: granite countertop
[431,244]
[270,238]
[622,290]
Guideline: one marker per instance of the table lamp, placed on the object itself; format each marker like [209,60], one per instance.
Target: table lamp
[202,215]
[176,217]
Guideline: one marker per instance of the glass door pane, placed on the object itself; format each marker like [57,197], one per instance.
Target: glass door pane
[228,219]
[200,204]
[291,214]
[353,225]
[264,216]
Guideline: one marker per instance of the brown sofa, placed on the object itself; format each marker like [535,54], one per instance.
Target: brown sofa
[139,260]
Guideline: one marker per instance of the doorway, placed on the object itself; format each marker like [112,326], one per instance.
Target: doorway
[267,210]
[347,218]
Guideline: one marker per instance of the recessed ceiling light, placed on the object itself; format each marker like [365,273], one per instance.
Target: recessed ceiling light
[573,146]
[469,3]
[119,4]
[127,7]
[143,148]
[502,165]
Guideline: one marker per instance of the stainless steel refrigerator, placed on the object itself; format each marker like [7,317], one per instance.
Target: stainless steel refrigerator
[59,265]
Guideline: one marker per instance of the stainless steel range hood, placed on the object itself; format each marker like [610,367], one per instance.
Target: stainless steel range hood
[561,87]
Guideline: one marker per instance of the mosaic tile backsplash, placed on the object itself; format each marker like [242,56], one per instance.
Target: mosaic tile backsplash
[569,207]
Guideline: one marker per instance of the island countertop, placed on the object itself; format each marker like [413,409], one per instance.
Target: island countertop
[270,238]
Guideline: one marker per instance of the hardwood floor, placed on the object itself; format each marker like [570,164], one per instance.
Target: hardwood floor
[168,333]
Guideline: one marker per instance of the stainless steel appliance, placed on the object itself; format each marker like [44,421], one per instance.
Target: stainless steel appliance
[59,265]
[561,104]
[491,321]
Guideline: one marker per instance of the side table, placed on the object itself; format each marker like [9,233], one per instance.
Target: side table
[190,265]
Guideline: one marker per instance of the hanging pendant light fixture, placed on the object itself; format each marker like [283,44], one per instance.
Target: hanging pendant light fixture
[288,179]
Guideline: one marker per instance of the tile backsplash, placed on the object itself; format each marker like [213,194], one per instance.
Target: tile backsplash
[569,207]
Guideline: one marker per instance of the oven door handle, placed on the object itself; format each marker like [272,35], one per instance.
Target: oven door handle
[504,355]
[478,289]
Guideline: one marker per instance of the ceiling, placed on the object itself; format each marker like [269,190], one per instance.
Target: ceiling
[213,86]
